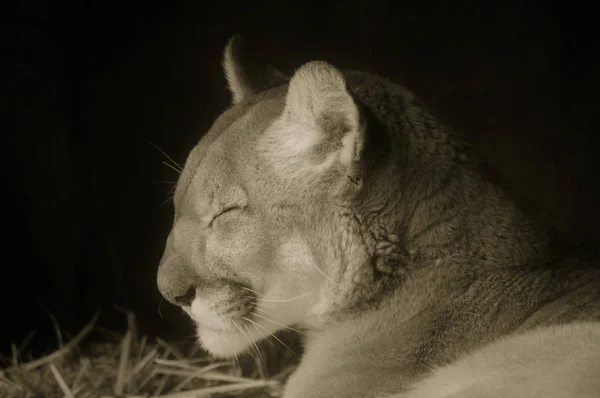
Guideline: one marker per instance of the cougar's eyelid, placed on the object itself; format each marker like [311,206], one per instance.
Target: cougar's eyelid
[227,209]
[223,210]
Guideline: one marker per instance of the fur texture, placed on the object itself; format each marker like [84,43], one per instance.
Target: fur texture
[524,365]
[338,204]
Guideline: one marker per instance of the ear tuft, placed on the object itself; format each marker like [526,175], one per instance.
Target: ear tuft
[245,76]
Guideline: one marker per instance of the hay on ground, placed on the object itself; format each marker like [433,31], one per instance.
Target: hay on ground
[130,367]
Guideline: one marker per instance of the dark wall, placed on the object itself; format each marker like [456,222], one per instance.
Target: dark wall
[86,86]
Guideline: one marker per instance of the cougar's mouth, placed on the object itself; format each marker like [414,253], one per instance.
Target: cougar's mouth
[211,318]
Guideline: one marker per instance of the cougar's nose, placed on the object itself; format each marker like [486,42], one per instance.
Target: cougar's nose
[184,300]
[176,282]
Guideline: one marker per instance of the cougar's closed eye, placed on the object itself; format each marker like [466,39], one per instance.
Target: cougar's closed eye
[223,211]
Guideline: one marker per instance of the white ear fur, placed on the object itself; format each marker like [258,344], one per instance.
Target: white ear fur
[245,76]
[318,93]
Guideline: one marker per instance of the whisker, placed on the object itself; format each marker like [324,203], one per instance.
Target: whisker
[253,291]
[159,303]
[286,300]
[171,195]
[168,157]
[266,312]
[319,270]
[262,361]
[276,323]
[177,170]
[275,300]
[240,329]
[257,325]
[252,343]
[166,201]
[254,324]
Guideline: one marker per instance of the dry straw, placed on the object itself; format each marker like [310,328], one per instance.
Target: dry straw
[132,367]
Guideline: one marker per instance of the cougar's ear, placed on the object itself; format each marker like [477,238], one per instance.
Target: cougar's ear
[320,112]
[245,74]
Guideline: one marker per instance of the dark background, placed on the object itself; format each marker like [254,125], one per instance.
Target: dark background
[85,87]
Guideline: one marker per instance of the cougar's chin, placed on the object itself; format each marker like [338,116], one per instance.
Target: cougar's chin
[218,335]
[222,343]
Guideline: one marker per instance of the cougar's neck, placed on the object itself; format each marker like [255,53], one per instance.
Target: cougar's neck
[463,216]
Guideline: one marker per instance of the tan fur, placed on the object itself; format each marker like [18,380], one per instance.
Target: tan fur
[548,362]
[338,204]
